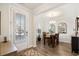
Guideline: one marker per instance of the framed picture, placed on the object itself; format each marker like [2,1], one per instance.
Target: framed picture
[77,22]
[77,26]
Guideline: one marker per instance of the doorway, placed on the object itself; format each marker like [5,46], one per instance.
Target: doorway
[20,27]
[20,32]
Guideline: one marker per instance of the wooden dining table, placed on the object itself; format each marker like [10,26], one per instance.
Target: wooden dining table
[46,37]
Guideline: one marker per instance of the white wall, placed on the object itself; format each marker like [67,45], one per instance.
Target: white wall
[68,15]
[8,12]
[4,20]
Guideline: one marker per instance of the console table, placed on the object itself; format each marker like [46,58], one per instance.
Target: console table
[75,44]
[7,48]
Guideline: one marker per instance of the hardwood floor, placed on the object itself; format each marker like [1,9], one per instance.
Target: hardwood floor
[63,49]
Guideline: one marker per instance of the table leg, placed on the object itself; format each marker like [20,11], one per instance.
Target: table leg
[44,41]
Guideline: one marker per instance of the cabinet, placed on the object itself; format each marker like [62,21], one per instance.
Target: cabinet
[75,44]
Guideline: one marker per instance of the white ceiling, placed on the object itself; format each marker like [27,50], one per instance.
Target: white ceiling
[32,6]
[41,7]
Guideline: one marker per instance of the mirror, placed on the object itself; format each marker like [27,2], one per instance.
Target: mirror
[62,27]
[52,28]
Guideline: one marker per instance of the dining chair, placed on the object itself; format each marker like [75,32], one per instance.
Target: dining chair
[52,40]
[57,38]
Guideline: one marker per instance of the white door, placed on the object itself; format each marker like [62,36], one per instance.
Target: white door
[20,27]
[20,31]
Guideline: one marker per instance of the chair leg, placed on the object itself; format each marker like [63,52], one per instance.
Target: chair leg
[49,41]
[57,41]
[53,43]
[44,41]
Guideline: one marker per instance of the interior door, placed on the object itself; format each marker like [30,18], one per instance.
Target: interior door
[20,34]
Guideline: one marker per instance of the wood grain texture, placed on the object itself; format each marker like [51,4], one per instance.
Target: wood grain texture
[7,48]
[63,49]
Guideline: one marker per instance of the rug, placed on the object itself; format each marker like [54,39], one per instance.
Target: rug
[30,52]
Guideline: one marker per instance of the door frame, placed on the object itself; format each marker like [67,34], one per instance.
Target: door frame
[16,41]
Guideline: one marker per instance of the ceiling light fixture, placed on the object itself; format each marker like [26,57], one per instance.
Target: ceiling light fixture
[53,14]
[52,22]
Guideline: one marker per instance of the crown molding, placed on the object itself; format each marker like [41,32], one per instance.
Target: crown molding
[46,7]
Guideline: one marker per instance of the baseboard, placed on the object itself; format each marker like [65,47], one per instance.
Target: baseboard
[65,42]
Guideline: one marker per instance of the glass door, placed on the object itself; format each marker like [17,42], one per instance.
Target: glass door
[20,27]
